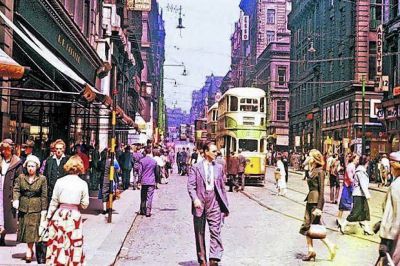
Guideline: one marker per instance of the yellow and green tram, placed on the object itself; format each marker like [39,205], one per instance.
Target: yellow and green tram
[212,122]
[241,125]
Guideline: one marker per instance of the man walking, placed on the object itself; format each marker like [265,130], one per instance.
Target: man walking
[126,163]
[54,168]
[178,161]
[209,203]
[232,171]
[147,182]
[242,167]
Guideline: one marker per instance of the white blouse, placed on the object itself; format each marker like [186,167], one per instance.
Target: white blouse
[70,189]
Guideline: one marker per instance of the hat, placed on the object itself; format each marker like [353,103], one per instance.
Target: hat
[395,156]
[29,143]
[6,142]
[32,158]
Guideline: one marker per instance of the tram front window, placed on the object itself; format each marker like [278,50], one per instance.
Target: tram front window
[248,145]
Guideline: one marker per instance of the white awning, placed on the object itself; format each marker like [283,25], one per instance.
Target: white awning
[42,50]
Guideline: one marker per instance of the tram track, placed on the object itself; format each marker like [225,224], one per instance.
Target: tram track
[294,217]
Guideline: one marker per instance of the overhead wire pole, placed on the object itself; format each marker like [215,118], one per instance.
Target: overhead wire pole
[363,116]
[113,143]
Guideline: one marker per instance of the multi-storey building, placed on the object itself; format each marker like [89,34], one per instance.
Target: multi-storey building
[333,48]
[390,109]
[266,20]
[79,53]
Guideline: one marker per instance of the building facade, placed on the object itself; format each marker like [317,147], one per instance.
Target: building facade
[80,53]
[333,49]
[390,108]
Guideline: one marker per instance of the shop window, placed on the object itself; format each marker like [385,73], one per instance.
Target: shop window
[372,61]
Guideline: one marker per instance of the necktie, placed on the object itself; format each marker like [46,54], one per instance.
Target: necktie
[209,174]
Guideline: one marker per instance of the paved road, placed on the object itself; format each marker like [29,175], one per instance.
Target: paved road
[252,235]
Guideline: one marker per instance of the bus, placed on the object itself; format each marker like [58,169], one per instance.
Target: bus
[242,125]
[212,122]
[183,132]
[200,129]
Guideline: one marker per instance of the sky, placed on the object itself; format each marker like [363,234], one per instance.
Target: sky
[203,45]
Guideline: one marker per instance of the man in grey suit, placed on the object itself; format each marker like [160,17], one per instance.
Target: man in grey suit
[147,182]
[209,203]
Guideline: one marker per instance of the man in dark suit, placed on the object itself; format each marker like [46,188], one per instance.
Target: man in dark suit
[126,163]
[54,168]
[209,203]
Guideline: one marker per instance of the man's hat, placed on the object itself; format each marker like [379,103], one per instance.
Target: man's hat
[6,142]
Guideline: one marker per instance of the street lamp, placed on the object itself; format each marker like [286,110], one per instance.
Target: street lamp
[184,73]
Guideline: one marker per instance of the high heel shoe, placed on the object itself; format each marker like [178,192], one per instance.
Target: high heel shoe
[310,256]
[367,233]
[340,228]
[366,230]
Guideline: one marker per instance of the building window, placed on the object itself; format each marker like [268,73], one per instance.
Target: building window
[281,111]
[270,16]
[375,13]
[281,76]
[270,36]
[372,61]
[234,104]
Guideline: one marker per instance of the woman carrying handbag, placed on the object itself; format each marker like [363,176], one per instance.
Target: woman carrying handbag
[30,199]
[314,206]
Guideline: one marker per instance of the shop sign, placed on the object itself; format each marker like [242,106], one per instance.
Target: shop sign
[332,113]
[245,28]
[391,112]
[139,5]
[374,107]
[396,91]
[282,140]
[324,116]
[379,48]
[297,141]
[380,113]
[310,116]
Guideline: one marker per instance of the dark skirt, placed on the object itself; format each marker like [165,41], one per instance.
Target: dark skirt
[360,211]
[28,227]
[309,218]
[346,199]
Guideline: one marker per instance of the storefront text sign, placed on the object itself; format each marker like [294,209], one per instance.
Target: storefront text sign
[379,46]
[245,28]
[391,112]
[139,5]
[396,91]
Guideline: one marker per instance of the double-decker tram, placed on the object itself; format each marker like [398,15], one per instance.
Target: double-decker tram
[200,129]
[241,125]
[212,122]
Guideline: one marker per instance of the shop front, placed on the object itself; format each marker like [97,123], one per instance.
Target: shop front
[389,114]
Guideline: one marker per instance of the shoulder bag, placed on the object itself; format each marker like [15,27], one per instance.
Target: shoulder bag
[317,231]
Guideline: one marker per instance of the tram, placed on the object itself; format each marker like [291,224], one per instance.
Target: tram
[212,122]
[200,129]
[242,125]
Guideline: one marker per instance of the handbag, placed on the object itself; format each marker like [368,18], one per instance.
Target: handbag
[41,247]
[317,231]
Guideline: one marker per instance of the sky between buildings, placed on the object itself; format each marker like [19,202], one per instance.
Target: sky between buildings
[203,46]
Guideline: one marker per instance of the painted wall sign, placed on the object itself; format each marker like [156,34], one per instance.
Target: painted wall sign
[346,109]
[341,110]
[245,28]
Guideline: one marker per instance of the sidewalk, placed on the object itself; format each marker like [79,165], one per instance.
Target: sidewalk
[372,186]
[102,241]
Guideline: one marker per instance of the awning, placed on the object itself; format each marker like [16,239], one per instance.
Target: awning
[9,68]
[88,91]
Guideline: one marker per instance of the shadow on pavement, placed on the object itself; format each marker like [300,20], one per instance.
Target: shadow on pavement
[189,263]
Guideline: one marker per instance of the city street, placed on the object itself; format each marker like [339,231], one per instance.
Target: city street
[262,229]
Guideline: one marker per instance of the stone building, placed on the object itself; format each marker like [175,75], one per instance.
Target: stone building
[333,48]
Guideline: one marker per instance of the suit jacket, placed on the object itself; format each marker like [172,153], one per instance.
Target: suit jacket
[316,187]
[14,170]
[232,165]
[32,197]
[53,172]
[197,187]
[147,171]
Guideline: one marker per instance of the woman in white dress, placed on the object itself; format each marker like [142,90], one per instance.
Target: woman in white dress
[281,184]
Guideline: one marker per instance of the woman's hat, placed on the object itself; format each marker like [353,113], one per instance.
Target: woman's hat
[32,158]
[395,156]
[6,143]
